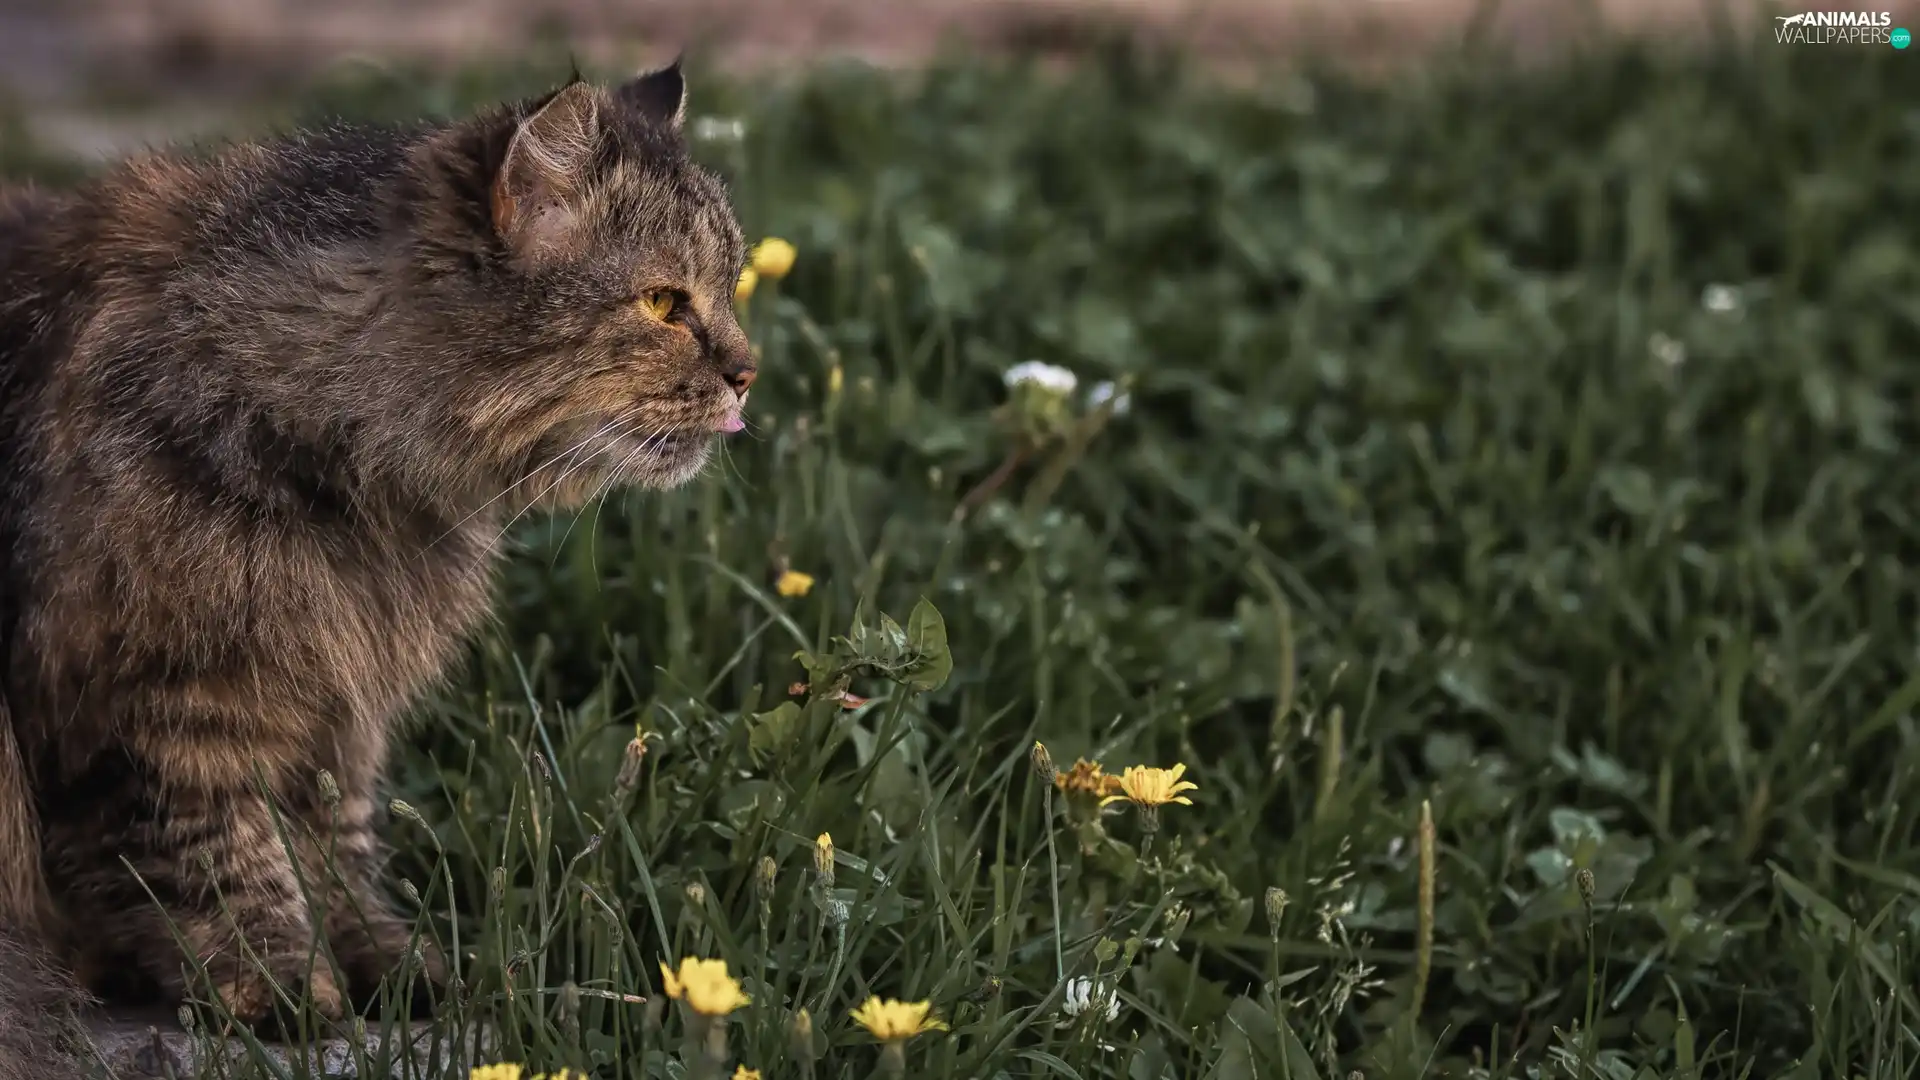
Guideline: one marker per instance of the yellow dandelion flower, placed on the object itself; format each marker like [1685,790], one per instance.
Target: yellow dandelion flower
[506,1070]
[802,1031]
[794,583]
[743,289]
[704,985]
[744,1073]
[1153,787]
[772,258]
[897,1021]
[836,379]
[1085,778]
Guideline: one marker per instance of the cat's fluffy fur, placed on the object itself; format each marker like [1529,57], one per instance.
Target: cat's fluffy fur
[263,413]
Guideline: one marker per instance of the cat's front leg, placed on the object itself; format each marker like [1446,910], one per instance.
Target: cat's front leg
[370,938]
[212,853]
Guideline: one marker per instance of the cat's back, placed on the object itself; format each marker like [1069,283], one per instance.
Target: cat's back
[30,219]
[22,210]
[181,209]
[162,245]
[32,327]
[310,188]
[36,291]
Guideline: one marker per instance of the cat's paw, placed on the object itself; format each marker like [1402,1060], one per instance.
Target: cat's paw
[385,950]
[251,994]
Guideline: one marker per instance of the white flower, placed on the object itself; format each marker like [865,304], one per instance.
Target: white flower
[1103,392]
[1082,996]
[1667,350]
[719,129]
[1720,299]
[1046,376]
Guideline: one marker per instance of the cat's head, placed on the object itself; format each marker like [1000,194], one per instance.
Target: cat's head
[605,260]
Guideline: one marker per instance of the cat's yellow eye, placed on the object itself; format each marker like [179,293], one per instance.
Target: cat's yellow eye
[658,303]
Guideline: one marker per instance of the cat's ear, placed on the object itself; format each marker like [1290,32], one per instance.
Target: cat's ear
[546,166]
[658,96]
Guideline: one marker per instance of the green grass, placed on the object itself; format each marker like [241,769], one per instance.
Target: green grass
[1538,447]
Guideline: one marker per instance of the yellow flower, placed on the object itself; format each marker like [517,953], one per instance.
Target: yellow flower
[823,856]
[897,1021]
[1086,778]
[794,583]
[801,1033]
[704,984]
[743,288]
[1153,787]
[744,1073]
[502,1071]
[772,258]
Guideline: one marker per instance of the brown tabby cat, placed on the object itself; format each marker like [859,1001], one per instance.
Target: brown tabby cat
[263,416]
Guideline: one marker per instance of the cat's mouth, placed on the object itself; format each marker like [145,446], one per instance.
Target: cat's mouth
[665,443]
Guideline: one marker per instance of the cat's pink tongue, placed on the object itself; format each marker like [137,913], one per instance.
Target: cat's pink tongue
[734,422]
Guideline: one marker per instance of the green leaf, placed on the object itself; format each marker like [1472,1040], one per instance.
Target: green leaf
[773,733]
[753,800]
[1683,1050]
[927,636]
[1255,1042]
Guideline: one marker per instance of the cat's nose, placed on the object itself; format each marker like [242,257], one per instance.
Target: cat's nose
[740,377]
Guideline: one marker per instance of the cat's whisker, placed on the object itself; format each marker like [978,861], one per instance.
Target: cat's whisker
[501,532]
[561,479]
[727,462]
[612,476]
[530,474]
[591,501]
[607,483]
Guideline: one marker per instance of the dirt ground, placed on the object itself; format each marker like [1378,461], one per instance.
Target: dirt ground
[171,48]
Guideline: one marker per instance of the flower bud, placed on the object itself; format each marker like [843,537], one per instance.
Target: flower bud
[800,1033]
[630,762]
[1277,901]
[1043,764]
[988,989]
[329,789]
[823,857]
